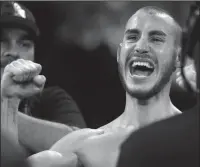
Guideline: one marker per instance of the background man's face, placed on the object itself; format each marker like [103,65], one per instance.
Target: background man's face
[147,56]
[15,44]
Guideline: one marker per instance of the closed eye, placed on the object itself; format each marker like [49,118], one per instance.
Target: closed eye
[156,39]
[25,43]
[132,38]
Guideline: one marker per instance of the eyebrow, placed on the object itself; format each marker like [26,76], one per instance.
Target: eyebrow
[156,32]
[132,31]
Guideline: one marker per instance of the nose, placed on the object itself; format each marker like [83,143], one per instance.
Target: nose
[142,46]
[11,53]
[8,56]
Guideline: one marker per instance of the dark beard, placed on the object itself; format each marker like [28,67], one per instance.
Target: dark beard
[140,95]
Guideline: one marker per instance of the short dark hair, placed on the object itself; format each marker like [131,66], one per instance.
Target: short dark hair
[154,10]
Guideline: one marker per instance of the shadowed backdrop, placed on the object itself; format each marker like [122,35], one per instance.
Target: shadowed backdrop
[78,46]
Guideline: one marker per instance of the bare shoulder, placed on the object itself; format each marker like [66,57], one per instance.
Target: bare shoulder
[110,125]
[72,141]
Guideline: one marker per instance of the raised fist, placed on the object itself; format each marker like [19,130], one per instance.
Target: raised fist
[21,79]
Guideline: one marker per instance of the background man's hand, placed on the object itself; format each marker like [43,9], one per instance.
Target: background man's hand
[103,150]
[21,79]
[93,148]
[52,159]
[190,75]
[62,152]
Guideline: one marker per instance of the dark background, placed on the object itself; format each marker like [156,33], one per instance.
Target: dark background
[78,46]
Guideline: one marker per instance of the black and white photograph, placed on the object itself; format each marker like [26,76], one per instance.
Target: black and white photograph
[100,83]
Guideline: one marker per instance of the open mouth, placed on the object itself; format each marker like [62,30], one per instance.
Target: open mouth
[141,68]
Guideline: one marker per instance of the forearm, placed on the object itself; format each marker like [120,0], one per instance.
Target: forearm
[9,122]
[39,135]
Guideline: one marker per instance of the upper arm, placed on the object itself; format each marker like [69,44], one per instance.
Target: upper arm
[38,135]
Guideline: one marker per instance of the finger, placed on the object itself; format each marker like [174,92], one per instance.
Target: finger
[178,73]
[69,160]
[10,70]
[27,71]
[45,154]
[31,68]
[18,63]
[87,132]
[52,159]
[194,86]
[27,90]
[179,79]
[189,70]
[36,66]
[30,65]
[39,80]
[36,69]
[15,67]
[181,83]
[191,75]
[20,71]
[191,66]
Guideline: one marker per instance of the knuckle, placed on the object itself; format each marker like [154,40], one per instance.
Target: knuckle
[9,68]
[14,63]
[20,60]
[39,67]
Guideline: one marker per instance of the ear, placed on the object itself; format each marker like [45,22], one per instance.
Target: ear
[178,57]
[119,51]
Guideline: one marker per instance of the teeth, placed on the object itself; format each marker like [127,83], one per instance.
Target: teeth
[137,63]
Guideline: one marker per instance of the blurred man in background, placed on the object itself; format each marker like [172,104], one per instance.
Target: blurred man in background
[19,34]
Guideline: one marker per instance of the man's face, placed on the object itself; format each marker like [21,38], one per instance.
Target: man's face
[15,44]
[147,56]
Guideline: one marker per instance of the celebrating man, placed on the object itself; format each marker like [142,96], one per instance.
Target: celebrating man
[147,58]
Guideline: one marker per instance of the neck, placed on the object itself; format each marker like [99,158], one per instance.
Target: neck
[139,113]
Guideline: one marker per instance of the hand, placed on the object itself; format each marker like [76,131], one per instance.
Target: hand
[72,141]
[190,75]
[52,159]
[21,79]
[102,150]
